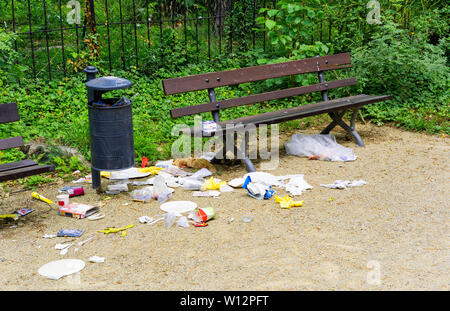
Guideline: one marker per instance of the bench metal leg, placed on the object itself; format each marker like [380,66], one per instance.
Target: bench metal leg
[333,124]
[239,153]
[337,120]
[248,163]
[229,144]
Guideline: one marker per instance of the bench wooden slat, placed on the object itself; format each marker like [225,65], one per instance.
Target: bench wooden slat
[255,73]
[297,112]
[25,171]
[9,113]
[11,142]
[257,98]
[16,165]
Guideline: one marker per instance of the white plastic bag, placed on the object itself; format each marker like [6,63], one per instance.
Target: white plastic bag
[183,222]
[323,146]
[160,190]
[169,219]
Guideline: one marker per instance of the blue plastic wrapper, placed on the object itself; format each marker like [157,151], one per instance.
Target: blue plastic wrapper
[267,195]
[70,233]
[246,182]
[24,211]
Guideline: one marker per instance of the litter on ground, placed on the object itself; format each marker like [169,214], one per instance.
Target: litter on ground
[344,184]
[96,259]
[57,269]
[287,202]
[319,147]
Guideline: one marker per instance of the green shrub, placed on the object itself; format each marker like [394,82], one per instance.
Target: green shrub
[414,71]
[10,69]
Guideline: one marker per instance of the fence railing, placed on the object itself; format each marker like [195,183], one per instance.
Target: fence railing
[57,36]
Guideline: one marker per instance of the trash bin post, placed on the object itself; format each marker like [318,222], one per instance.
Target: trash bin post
[110,126]
[91,73]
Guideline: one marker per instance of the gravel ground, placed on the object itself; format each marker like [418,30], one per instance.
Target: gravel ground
[395,228]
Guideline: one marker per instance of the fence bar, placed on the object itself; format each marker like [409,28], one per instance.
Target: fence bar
[161,31]
[329,29]
[121,32]
[13,23]
[231,25]
[321,31]
[77,39]
[31,40]
[46,39]
[107,34]
[62,39]
[196,32]
[185,31]
[172,13]
[209,29]
[220,28]
[254,23]
[264,34]
[148,25]
[135,34]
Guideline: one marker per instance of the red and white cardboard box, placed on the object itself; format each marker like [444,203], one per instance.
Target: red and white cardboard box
[77,210]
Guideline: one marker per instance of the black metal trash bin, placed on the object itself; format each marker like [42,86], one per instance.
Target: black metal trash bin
[110,124]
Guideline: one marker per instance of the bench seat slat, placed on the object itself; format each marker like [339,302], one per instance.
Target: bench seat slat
[295,113]
[255,73]
[9,113]
[25,171]
[257,98]
[11,142]
[16,165]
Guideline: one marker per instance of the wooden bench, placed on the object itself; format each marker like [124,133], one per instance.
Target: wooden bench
[336,108]
[19,169]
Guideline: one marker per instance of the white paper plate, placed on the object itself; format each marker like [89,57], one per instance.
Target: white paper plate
[178,207]
[59,268]
[127,174]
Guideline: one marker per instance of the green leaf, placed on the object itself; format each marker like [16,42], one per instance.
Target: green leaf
[272,13]
[270,24]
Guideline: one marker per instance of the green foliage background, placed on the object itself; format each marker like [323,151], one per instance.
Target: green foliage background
[406,56]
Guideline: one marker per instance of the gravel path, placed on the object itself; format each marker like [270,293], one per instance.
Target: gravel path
[390,234]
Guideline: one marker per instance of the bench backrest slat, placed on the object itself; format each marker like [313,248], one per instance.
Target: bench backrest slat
[9,113]
[255,73]
[12,142]
[228,103]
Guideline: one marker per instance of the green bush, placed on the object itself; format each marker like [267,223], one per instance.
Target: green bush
[414,71]
[10,68]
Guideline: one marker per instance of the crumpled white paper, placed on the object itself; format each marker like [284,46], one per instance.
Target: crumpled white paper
[96,259]
[297,185]
[343,184]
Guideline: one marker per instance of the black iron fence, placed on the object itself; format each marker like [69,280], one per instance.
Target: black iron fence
[58,37]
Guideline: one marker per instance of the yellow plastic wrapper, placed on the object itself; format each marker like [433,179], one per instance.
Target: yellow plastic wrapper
[105,174]
[287,202]
[114,230]
[211,184]
[153,170]
[40,197]
[10,216]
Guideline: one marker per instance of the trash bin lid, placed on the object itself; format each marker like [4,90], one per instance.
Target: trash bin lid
[108,83]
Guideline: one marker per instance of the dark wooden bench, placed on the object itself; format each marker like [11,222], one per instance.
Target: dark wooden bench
[19,169]
[336,108]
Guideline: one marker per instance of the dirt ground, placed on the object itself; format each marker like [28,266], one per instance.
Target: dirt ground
[394,227]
